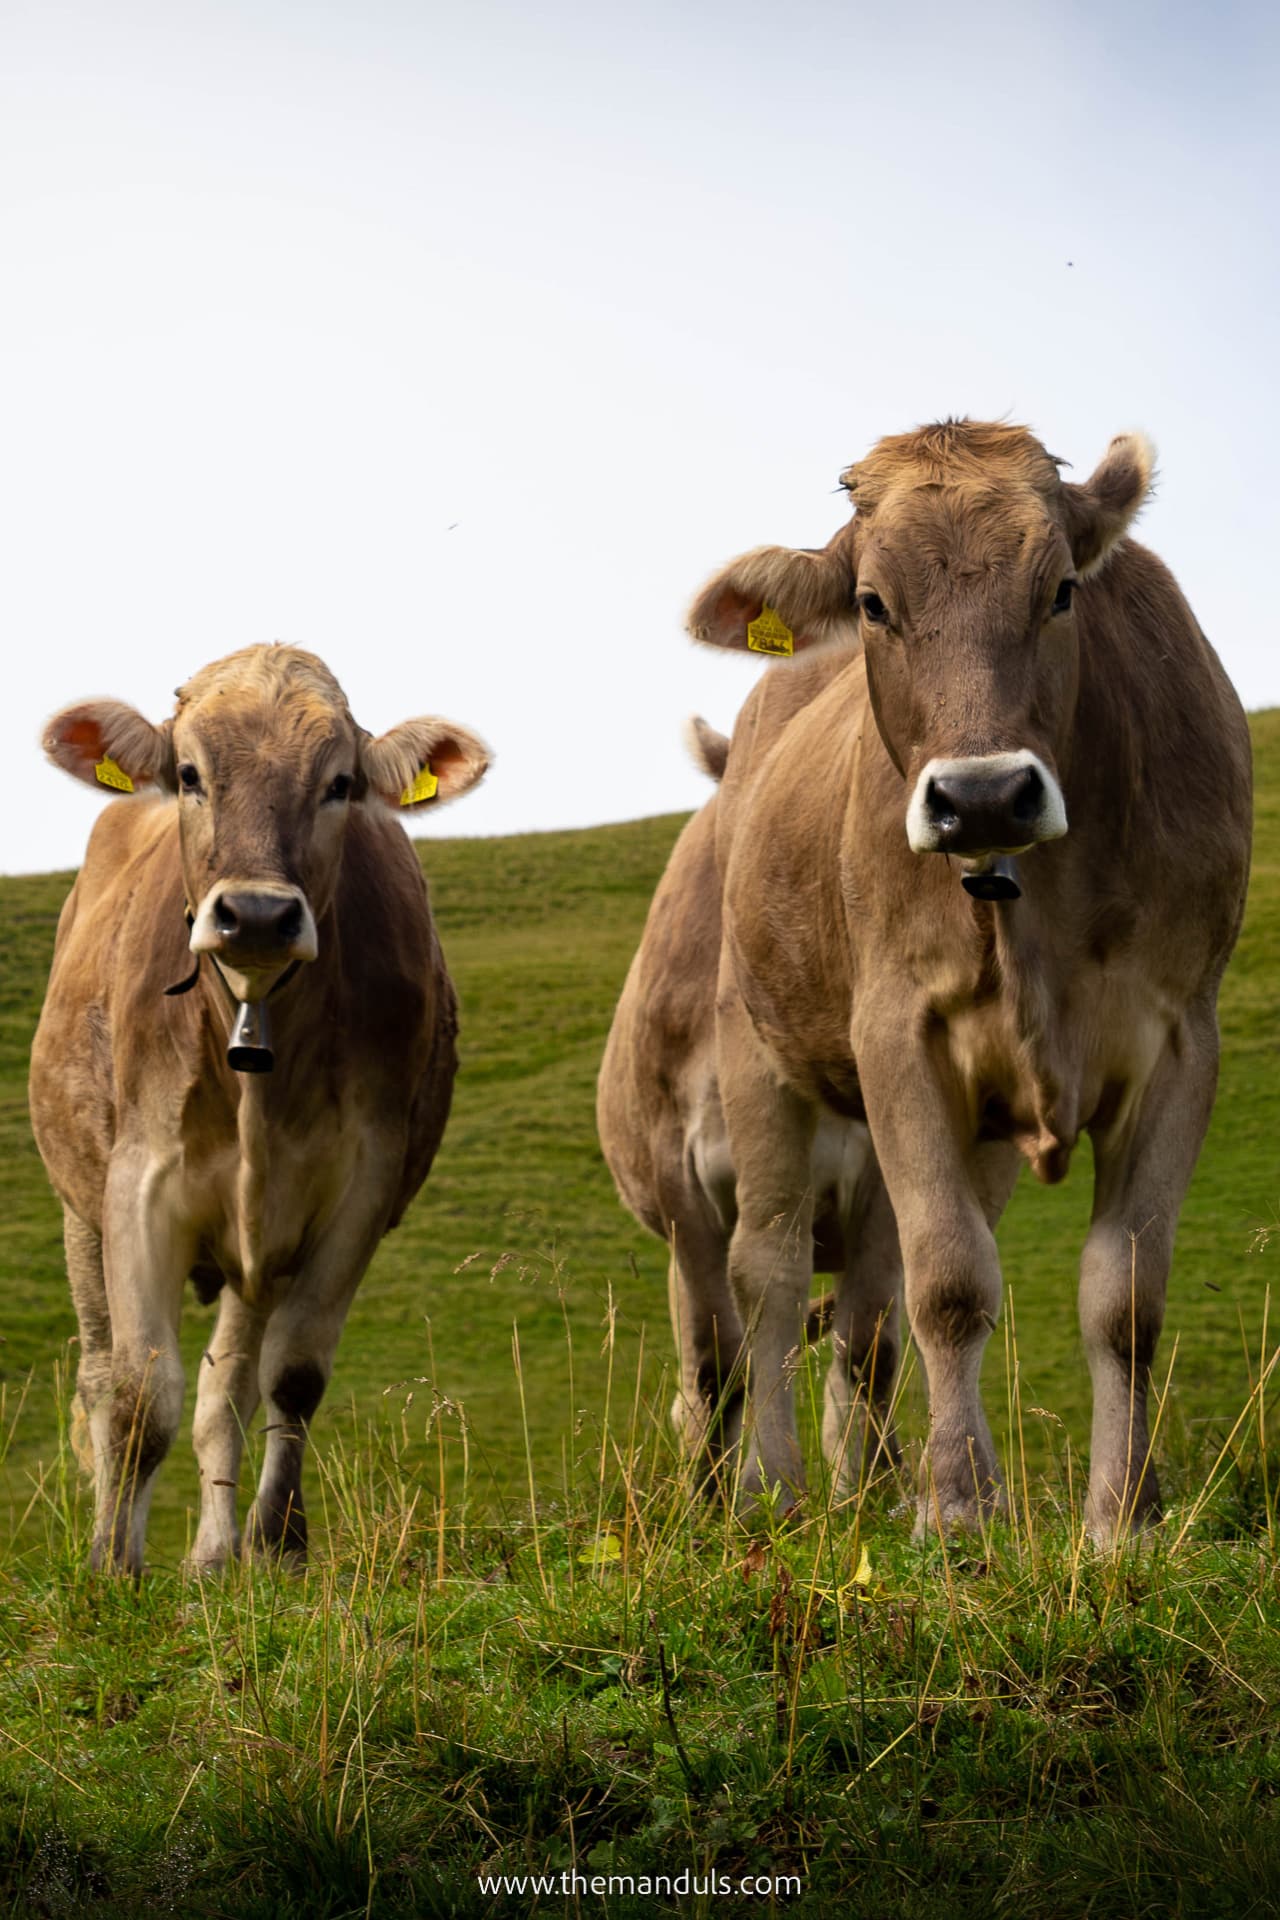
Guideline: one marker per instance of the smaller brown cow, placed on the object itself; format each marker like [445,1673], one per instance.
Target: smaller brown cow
[255,868]
[662,1131]
[981,890]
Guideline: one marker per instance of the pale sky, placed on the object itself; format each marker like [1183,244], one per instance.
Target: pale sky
[459,344]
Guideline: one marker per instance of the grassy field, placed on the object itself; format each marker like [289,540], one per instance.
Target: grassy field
[468,1678]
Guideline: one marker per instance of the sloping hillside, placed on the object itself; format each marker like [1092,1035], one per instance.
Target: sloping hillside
[539,930]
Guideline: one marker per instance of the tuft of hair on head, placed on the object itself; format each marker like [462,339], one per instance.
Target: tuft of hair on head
[267,669]
[707,748]
[955,451]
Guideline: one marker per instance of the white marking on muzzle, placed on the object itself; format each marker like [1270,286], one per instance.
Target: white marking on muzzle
[206,936]
[1048,823]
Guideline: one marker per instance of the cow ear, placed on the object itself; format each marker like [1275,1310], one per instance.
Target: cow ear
[778,600]
[422,762]
[109,745]
[1100,510]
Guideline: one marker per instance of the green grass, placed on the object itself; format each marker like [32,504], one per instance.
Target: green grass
[1012,1727]
[620,1683]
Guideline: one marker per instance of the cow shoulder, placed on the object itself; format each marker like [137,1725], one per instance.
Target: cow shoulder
[1163,775]
[106,1026]
[784,906]
[773,703]
[393,967]
[401,1016]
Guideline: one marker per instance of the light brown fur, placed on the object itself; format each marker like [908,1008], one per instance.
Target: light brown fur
[856,972]
[273,1190]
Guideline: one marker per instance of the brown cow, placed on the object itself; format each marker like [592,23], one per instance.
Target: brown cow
[278,864]
[1035,707]
[663,1135]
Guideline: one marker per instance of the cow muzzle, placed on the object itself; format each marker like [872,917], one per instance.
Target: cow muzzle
[254,931]
[996,803]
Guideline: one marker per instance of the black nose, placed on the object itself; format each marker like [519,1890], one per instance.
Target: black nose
[268,920]
[973,811]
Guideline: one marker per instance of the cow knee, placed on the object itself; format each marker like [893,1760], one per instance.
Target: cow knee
[1123,1329]
[145,1409]
[868,1355]
[1122,1296]
[954,1313]
[296,1390]
[768,1255]
[952,1283]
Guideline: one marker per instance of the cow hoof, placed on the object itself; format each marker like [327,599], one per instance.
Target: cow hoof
[276,1540]
[105,1557]
[958,1515]
[209,1563]
[266,1553]
[1111,1531]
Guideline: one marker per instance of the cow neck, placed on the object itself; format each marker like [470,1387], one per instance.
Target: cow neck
[1016,932]
[277,986]
[272,1112]
[248,1047]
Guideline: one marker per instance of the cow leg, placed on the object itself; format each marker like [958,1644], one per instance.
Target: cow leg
[857,1425]
[226,1399]
[771,1130]
[946,1200]
[89,1297]
[146,1257]
[1142,1173]
[297,1360]
[298,1347]
[953,1289]
[707,1412]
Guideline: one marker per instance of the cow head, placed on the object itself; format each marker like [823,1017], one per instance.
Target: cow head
[266,763]
[959,571]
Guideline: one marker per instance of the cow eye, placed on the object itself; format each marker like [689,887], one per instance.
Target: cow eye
[874,608]
[340,787]
[1062,599]
[189,777]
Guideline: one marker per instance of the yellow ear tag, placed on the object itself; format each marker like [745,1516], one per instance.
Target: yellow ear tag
[110,775]
[423,788]
[769,633]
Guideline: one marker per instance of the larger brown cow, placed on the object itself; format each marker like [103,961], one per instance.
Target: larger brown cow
[982,890]
[266,874]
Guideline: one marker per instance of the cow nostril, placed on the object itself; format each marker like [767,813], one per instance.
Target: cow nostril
[941,807]
[1027,800]
[290,922]
[225,917]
